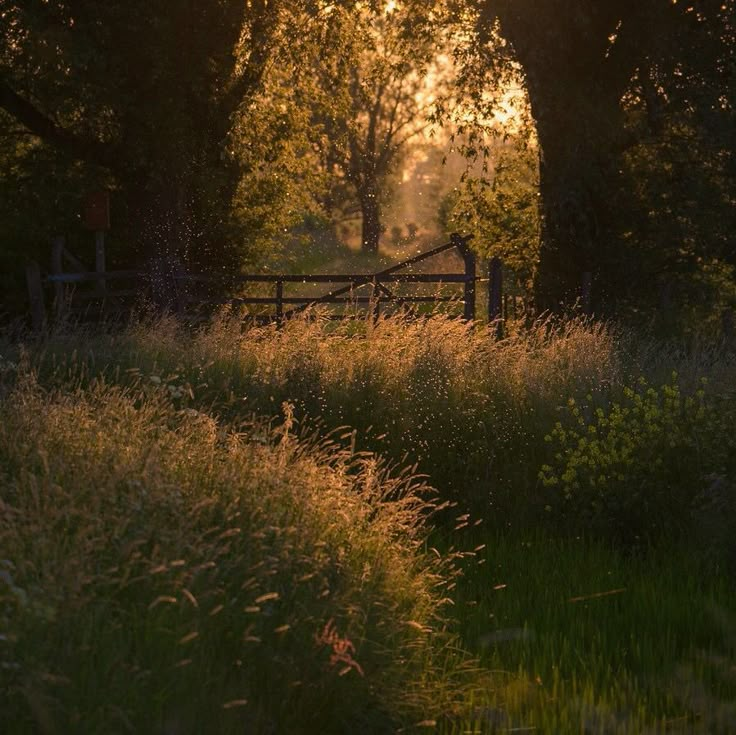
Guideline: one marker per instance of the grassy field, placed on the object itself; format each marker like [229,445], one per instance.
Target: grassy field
[236,529]
[583,638]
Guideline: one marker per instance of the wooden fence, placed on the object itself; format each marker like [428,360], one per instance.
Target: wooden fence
[372,290]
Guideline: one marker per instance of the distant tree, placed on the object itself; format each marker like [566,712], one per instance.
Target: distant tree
[377,76]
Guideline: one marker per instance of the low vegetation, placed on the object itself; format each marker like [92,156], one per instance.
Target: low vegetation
[164,572]
[198,529]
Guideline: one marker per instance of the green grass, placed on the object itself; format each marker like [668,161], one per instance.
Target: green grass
[130,455]
[163,572]
[587,634]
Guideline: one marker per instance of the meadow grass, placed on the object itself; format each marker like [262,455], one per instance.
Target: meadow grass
[470,411]
[163,572]
[584,638]
[434,395]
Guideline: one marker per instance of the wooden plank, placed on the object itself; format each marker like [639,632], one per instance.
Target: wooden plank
[423,256]
[385,291]
[344,295]
[307,300]
[61,278]
[353,278]
[454,240]
[387,275]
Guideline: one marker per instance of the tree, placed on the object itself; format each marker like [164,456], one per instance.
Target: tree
[584,65]
[149,96]
[376,90]
[502,213]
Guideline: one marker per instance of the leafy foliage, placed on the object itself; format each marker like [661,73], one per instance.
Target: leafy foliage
[503,214]
[603,79]
[635,468]
[169,107]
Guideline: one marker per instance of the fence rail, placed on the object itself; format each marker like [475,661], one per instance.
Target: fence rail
[355,279]
[86,276]
[379,283]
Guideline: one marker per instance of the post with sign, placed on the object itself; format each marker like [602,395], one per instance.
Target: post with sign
[97,219]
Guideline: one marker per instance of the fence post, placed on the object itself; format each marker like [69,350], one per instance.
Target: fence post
[57,268]
[279,304]
[469,260]
[376,305]
[495,295]
[35,296]
[586,293]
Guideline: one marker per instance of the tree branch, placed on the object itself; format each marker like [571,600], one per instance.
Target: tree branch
[263,28]
[39,124]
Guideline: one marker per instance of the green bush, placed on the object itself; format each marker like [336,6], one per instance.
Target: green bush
[636,467]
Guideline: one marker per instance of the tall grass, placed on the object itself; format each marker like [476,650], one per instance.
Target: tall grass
[471,411]
[141,462]
[163,572]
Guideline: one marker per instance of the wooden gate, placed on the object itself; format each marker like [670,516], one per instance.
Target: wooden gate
[370,290]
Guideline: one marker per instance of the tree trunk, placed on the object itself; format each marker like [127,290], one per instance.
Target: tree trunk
[579,154]
[371,212]
[575,92]
[570,222]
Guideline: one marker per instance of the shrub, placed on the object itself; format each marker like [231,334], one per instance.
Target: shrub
[635,468]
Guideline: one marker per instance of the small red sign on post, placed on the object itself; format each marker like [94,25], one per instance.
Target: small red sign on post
[96,214]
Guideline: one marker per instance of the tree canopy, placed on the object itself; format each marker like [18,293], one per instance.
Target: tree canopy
[219,123]
[603,80]
[151,99]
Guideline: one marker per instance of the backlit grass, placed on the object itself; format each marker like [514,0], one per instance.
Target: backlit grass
[138,469]
[163,572]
